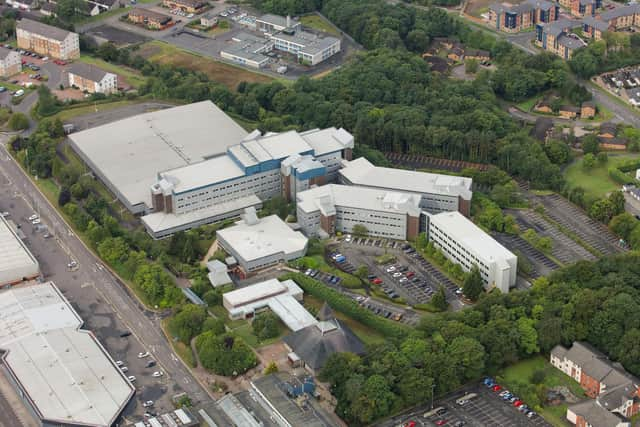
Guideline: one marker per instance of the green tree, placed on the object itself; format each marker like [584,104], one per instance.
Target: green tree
[362,272]
[439,300]
[602,210]
[70,10]
[18,121]
[64,197]
[47,102]
[602,158]
[360,230]
[216,326]
[589,161]
[467,356]
[471,66]
[617,201]
[271,368]
[187,323]
[266,325]
[623,224]
[225,354]
[473,285]
[528,335]
[590,144]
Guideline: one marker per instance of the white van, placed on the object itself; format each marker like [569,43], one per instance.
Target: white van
[18,93]
[466,398]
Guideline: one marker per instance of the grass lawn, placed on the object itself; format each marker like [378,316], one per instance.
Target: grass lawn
[596,182]
[225,74]
[528,104]
[69,113]
[133,77]
[184,351]
[316,22]
[245,332]
[105,15]
[522,371]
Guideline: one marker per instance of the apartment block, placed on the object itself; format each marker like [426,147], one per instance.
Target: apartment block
[92,79]
[623,17]
[556,37]
[149,18]
[47,40]
[323,211]
[616,392]
[466,244]
[514,18]
[437,192]
[10,62]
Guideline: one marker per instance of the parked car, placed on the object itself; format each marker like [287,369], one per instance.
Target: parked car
[391,269]
[142,355]
[441,422]
[158,374]
[131,378]
[150,364]
[124,369]
[36,221]
[377,281]
[3,89]
[147,403]
[59,62]
[496,388]
[125,334]
[18,93]
[119,362]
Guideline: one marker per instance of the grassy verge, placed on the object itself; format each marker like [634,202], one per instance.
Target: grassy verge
[181,349]
[528,104]
[316,22]
[133,77]
[72,112]
[516,375]
[317,262]
[245,332]
[596,181]
[105,15]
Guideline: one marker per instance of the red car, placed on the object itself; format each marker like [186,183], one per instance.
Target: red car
[410,274]
[518,403]
[441,422]
[59,62]
[496,388]
[410,424]
[377,281]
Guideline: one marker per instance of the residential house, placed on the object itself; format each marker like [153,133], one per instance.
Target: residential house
[594,28]
[615,144]
[456,54]
[477,54]
[48,9]
[47,40]
[149,18]
[623,17]
[590,413]
[437,64]
[587,110]
[608,130]
[569,112]
[10,62]
[208,20]
[513,18]
[544,106]
[556,37]
[188,6]
[92,79]
[614,389]
[27,5]
[580,8]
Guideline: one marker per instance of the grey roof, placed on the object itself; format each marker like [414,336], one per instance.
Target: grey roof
[540,131]
[570,108]
[559,351]
[620,11]
[87,71]
[561,25]
[311,43]
[325,313]
[43,29]
[139,11]
[277,20]
[617,396]
[314,344]
[4,52]
[596,23]
[523,7]
[570,42]
[595,415]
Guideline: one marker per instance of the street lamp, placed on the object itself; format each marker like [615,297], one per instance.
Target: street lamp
[433,391]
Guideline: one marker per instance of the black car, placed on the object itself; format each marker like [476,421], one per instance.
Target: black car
[125,334]
[150,363]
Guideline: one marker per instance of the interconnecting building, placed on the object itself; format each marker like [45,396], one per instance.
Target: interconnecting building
[17,264]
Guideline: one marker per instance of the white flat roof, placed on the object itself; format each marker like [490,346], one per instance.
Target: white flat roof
[270,235]
[326,197]
[361,172]
[259,291]
[158,222]
[328,140]
[201,174]
[129,153]
[16,261]
[471,236]
[64,370]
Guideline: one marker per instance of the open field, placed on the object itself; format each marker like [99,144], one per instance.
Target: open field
[521,372]
[478,7]
[131,76]
[316,22]
[228,75]
[596,182]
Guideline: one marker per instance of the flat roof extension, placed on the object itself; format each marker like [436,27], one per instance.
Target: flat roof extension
[16,261]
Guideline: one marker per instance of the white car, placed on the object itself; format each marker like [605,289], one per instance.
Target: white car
[148,403]
[36,221]
[33,217]
[119,362]
[398,274]
[143,355]
[131,378]
[46,58]
[72,264]
[158,374]
[124,369]
[391,269]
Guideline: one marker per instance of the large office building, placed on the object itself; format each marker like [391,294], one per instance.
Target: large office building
[193,165]
[17,264]
[47,40]
[333,207]
[438,193]
[466,244]
[309,48]
[258,243]
[62,373]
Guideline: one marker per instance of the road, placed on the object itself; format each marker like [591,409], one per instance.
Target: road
[92,276]
[531,118]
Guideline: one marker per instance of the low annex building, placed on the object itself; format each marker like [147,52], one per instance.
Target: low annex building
[92,79]
[333,207]
[466,244]
[17,264]
[258,243]
[47,40]
[149,18]
[188,6]
[62,373]
[438,192]
[616,392]
[283,298]
[10,62]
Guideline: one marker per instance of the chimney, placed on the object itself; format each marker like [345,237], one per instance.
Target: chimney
[288,21]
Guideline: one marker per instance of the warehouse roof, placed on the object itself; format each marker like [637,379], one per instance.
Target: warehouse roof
[327,197]
[328,140]
[16,261]
[269,235]
[361,172]
[471,236]
[276,20]
[196,175]
[41,29]
[129,153]
[63,370]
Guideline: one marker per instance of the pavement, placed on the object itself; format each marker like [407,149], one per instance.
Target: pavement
[101,299]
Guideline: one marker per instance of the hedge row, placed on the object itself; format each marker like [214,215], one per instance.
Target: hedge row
[348,307]
[620,177]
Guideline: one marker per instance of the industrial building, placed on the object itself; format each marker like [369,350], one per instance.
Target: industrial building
[192,165]
[178,418]
[248,50]
[62,372]
[10,62]
[438,192]
[309,48]
[333,207]
[258,243]
[271,24]
[283,298]
[17,264]
[47,40]
[92,79]
[464,243]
